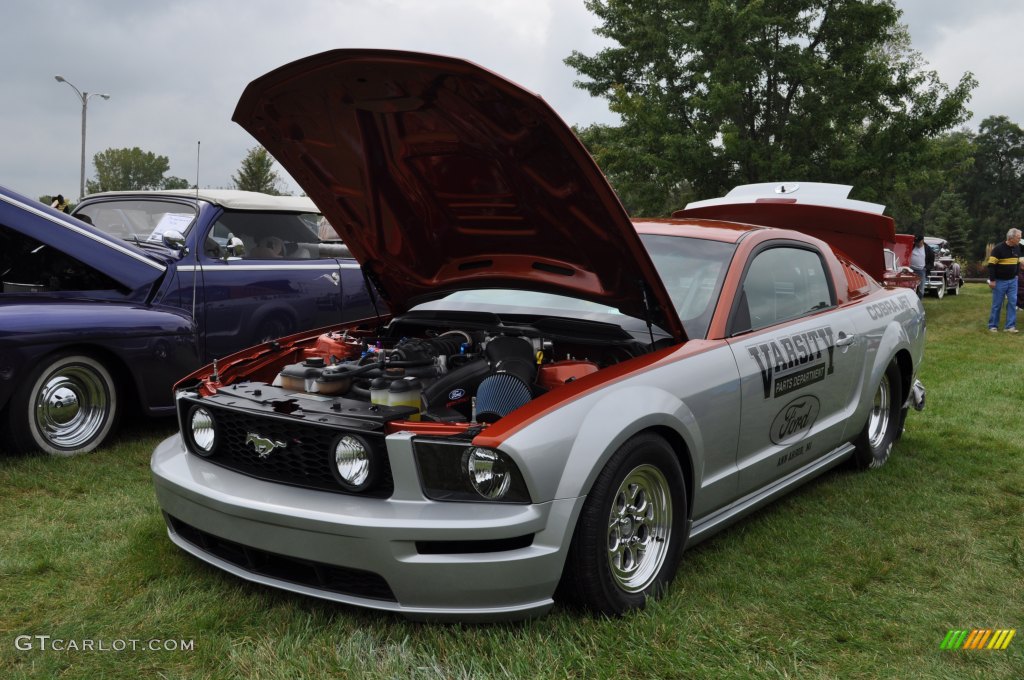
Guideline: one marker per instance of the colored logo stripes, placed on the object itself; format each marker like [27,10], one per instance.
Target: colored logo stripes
[979,638]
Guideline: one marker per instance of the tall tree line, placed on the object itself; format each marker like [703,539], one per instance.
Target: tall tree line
[716,93]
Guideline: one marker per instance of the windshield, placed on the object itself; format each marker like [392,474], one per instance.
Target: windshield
[692,270]
[135,220]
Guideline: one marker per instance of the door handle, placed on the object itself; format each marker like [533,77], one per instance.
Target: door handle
[846,340]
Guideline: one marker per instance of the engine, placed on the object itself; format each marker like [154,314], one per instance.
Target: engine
[454,376]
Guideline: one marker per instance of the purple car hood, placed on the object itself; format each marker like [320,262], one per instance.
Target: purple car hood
[441,175]
[122,262]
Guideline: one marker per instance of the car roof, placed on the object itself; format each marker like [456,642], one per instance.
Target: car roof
[232,199]
[711,230]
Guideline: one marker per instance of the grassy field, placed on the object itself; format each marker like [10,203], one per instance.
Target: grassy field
[857,575]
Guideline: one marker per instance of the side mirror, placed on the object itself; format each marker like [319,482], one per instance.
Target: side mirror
[174,239]
[234,247]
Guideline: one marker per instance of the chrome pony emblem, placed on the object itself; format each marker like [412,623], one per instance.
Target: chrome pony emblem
[263,446]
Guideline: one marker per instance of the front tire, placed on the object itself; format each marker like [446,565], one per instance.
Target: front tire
[940,292]
[67,406]
[630,533]
[885,422]
[955,290]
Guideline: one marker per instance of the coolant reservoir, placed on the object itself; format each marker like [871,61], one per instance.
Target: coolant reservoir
[379,391]
[406,392]
[302,377]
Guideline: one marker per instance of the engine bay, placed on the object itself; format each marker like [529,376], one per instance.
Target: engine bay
[473,370]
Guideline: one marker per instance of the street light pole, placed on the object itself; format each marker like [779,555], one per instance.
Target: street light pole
[84,97]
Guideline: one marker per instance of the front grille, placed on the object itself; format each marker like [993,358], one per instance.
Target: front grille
[305,460]
[335,579]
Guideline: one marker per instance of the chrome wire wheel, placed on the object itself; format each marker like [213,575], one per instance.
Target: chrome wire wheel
[639,528]
[72,406]
[878,420]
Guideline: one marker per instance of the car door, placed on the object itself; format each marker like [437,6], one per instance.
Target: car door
[264,276]
[799,359]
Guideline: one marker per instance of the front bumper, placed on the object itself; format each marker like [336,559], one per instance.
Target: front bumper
[407,554]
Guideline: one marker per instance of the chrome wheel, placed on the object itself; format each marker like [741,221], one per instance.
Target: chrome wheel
[71,406]
[884,422]
[631,530]
[639,526]
[940,292]
[878,420]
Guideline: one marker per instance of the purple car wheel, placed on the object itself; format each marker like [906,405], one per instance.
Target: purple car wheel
[67,407]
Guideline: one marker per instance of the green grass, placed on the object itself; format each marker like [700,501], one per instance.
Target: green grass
[856,575]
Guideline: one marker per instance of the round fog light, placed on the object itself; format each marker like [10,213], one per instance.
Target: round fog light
[204,434]
[352,461]
[488,472]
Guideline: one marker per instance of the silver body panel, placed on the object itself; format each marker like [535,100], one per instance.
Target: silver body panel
[709,395]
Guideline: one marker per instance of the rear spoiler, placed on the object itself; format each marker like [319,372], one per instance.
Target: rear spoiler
[856,228]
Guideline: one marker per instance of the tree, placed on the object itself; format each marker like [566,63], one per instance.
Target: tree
[996,181]
[947,217]
[256,173]
[127,170]
[723,92]
[176,183]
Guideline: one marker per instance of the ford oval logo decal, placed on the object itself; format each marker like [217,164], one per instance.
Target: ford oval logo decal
[795,420]
[456,394]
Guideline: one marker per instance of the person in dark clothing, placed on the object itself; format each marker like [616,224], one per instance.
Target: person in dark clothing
[1020,289]
[1003,268]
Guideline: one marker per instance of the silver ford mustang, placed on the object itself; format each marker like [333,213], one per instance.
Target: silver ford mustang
[560,399]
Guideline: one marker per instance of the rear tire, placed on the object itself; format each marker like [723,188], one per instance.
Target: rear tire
[955,290]
[630,533]
[884,424]
[68,405]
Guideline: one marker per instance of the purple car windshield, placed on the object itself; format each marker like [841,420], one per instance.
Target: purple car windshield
[139,220]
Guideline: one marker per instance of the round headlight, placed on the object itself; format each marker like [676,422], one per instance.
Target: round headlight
[204,434]
[352,460]
[488,472]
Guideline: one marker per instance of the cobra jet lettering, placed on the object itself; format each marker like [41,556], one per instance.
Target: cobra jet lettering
[776,358]
[880,310]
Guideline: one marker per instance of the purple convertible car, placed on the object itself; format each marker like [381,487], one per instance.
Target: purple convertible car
[108,311]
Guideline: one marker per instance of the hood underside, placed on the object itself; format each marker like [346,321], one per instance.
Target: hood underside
[122,262]
[442,176]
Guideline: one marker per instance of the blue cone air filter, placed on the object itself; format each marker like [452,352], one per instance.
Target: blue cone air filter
[499,395]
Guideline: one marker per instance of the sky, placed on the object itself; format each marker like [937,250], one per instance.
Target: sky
[175,69]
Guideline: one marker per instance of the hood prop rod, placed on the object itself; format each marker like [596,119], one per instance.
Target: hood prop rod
[647,312]
[371,290]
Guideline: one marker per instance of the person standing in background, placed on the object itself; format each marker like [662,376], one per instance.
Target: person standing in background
[918,262]
[1003,267]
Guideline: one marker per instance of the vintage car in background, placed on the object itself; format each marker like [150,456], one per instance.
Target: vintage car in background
[98,316]
[945,276]
[562,399]
[897,263]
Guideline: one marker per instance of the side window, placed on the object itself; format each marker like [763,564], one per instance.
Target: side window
[270,236]
[781,283]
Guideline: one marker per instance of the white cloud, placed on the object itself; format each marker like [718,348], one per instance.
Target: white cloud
[175,70]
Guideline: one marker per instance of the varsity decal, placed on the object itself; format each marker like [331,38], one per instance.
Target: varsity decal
[795,361]
[880,310]
[795,420]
